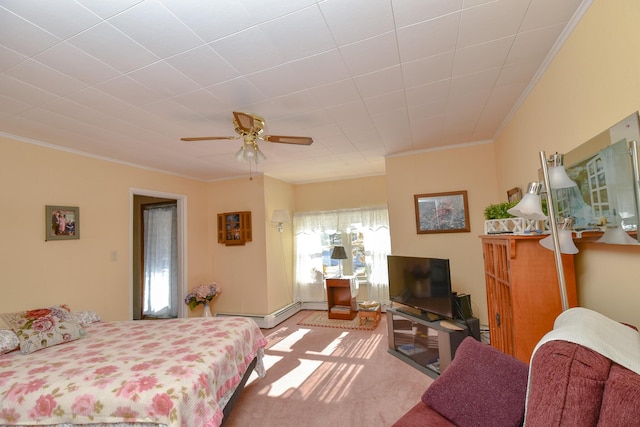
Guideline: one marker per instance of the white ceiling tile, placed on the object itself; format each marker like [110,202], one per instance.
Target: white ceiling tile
[35,74]
[437,93]
[203,65]
[212,20]
[10,106]
[482,56]
[494,20]
[356,20]
[107,9]
[519,72]
[359,60]
[266,10]
[237,92]
[428,38]
[114,48]
[336,93]
[380,82]
[98,100]
[534,45]
[163,78]
[392,101]
[248,51]
[168,36]
[75,63]
[428,70]
[311,34]
[130,91]
[300,75]
[408,12]
[9,58]
[202,101]
[32,40]
[20,91]
[538,13]
[64,20]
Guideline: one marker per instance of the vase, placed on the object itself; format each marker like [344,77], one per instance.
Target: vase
[206,310]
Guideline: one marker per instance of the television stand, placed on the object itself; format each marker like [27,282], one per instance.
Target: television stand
[428,346]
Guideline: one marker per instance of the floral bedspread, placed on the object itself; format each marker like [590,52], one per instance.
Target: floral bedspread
[170,372]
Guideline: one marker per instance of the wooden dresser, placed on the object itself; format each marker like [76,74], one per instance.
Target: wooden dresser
[523,298]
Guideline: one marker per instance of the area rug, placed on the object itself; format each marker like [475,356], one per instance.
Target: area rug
[319,318]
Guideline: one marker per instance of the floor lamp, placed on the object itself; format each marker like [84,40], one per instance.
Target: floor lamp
[527,208]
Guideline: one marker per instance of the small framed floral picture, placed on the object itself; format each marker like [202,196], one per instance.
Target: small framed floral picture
[62,222]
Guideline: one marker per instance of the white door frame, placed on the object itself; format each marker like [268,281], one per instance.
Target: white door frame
[181,200]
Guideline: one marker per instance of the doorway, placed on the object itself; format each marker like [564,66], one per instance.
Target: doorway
[157,248]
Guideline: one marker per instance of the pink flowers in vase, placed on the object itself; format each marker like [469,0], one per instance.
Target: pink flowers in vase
[202,294]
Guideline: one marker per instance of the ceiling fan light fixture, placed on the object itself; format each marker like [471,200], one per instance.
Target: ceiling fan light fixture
[250,153]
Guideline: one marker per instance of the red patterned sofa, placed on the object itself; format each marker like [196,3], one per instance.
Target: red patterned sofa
[570,385]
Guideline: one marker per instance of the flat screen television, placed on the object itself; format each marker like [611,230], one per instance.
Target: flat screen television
[421,283]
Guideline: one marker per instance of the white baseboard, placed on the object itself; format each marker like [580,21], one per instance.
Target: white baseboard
[267,321]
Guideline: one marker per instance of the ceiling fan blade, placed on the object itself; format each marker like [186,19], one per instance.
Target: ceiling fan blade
[246,122]
[298,140]
[208,138]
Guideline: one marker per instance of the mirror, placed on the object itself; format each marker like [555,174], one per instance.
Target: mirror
[606,171]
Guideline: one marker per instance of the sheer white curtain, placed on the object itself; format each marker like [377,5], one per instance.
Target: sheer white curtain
[160,297]
[308,229]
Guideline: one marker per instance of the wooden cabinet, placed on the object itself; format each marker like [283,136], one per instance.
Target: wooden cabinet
[523,297]
[234,228]
[341,298]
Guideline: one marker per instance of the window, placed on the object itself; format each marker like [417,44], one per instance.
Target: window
[364,234]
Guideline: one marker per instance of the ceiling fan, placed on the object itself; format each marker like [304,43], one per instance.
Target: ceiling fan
[249,127]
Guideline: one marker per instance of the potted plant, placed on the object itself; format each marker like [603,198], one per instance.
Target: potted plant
[498,220]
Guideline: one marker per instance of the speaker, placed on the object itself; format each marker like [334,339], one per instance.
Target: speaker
[473,324]
[462,306]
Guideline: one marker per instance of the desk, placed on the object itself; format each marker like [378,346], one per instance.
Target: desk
[341,298]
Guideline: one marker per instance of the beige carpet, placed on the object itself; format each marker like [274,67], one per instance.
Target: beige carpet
[319,376]
[320,318]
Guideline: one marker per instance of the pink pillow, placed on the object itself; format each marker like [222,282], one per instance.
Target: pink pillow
[481,387]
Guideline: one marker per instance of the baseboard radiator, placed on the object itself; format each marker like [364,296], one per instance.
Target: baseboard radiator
[267,321]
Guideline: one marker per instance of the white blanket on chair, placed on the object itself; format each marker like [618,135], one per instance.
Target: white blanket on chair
[593,330]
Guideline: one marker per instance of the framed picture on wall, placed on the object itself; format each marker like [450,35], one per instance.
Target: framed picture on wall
[442,212]
[514,195]
[62,222]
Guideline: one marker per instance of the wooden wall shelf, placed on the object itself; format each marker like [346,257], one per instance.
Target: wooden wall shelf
[234,228]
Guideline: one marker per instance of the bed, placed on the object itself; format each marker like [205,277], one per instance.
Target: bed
[179,372]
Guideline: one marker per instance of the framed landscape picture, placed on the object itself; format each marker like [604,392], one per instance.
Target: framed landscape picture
[62,222]
[442,212]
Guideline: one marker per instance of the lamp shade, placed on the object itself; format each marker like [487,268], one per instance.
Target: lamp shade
[565,236]
[338,252]
[558,177]
[616,236]
[530,206]
[281,216]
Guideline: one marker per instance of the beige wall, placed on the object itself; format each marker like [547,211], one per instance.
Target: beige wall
[80,272]
[343,194]
[470,168]
[593,83]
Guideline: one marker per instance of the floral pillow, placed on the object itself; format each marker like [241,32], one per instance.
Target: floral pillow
[8,341]
[85,317]
[44,327]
